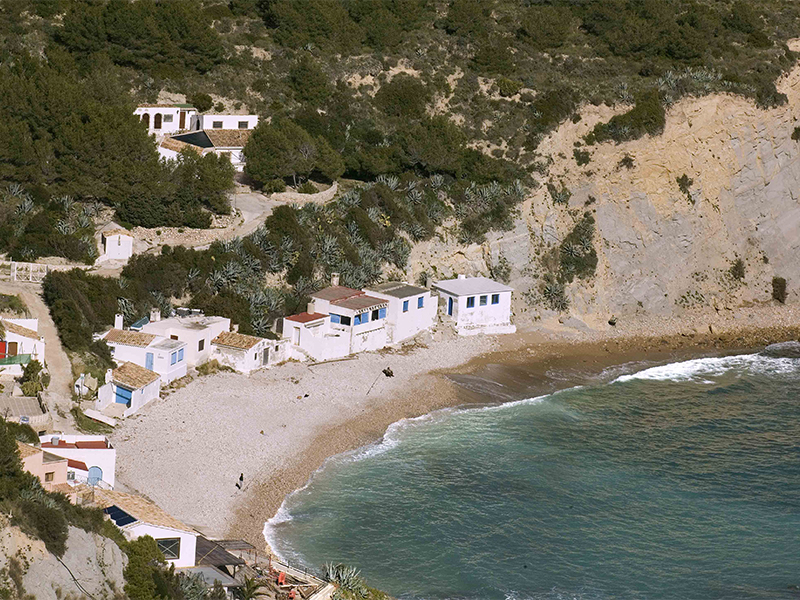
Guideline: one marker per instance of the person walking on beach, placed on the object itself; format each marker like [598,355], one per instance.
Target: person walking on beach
[240,483]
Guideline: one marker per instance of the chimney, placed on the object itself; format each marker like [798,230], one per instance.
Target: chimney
[155,315]
[334,279]
[109,376]
[462,276]
[118,321]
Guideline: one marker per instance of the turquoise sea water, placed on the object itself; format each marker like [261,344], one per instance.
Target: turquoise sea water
[679,481]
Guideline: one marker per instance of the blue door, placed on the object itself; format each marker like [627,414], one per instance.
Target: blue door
[95,475]
[450,306]
[123,396]
[148,361]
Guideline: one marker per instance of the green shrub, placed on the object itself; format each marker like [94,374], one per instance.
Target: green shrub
[559,195]
[577,256]
[796,134]
[647,117]
[508,87]
[779,289]
[202,102]
[582,157]
[404,96]
[737,270]
[685,185]
[307,188]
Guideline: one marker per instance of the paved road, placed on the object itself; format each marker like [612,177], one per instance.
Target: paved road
[57,361]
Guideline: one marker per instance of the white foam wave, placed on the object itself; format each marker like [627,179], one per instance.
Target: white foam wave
[700,369]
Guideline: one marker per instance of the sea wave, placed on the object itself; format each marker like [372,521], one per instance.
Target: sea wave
[700,369]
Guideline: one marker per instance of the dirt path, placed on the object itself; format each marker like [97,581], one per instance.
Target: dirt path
[57,361]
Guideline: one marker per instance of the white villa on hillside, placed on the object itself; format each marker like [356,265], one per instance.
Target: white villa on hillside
[476,304]
[209,121]
[20,345]
[411,309]
[136,517]
[91,459]
[127,389]
[166,118]
[192,329]
[246,353]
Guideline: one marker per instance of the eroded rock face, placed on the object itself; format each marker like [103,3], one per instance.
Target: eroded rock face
[96,562]
[662,250]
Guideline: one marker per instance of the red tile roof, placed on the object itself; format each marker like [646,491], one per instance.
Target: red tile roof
[76,464]
[305,317]
[336,292]
[360,302]
[98,445]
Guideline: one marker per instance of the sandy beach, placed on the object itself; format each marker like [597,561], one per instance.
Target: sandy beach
[277,426]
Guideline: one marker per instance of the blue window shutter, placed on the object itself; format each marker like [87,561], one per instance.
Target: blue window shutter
[420,302]
[335,318]
[173,358]
[495,298]
[180,355]
[405,305]
[382,313]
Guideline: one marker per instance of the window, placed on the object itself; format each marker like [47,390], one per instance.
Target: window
[361,319]
[157,121]
[495,298]
[420,301]
[484,300]
[168,118]
[180,355]
[471,302]
[405,305]
[243,124]
[335,318]
[173,358]
[382,313]
[70,475]
[217,125]
[119,240]
[346,321]
[200,345]
[170,547]
[173,337]
[49,476]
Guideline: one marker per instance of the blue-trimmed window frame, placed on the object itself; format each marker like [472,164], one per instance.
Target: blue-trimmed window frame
[173,358]
[361,319]
[405,305]
[484,300]
[180,355]
[495,298]
[470,301]
[421,302]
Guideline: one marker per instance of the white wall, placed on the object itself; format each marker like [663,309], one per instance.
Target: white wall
[185,332]
[105,458]
[118,247]
[491,318]
[188,541]
[167,112]
[228,121]
[321,340]
[26,345]
[161,359]
[403,325]
[106,394]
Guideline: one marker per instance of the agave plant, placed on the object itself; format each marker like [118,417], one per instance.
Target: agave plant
[24,207]
[572,250]
[374,213]
[216,281]
[516,190]
[84,221]
[192,274]
[122,282]
[261,325]
[64,227]
[125,306]
[350,199]
[66,202]
[437,181]
[414,196]
[232,271]
[15,190]
[389,181]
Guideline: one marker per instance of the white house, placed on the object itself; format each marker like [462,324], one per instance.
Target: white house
[209,121]
[191,328]
[21,344]
[166,118]
[340,321]
[245,353]
[165,356]
[225,142]
[137,517]
[91,458]
[117,245]
[476,304]
[411,309]
[129,386]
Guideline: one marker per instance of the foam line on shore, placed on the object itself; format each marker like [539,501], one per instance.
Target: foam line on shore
[700,368]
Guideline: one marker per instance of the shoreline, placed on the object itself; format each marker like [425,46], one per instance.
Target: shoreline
[546,363]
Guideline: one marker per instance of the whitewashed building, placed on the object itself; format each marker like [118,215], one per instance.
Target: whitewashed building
[137,517]
[246,353]
[117,245]
[128,387]
[210,121]
[224,142]
[340,321]
[91,458]
[192,329]
[20,345]
[165,356]
[411,309]
[476,305]
[165,119]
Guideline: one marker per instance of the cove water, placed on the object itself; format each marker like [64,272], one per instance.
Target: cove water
[679,481]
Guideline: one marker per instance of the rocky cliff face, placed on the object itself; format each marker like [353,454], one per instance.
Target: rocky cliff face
[25,564]
[662,249]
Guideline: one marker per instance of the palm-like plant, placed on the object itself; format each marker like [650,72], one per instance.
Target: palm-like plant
[251,589]
[24,207]
[216,281]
